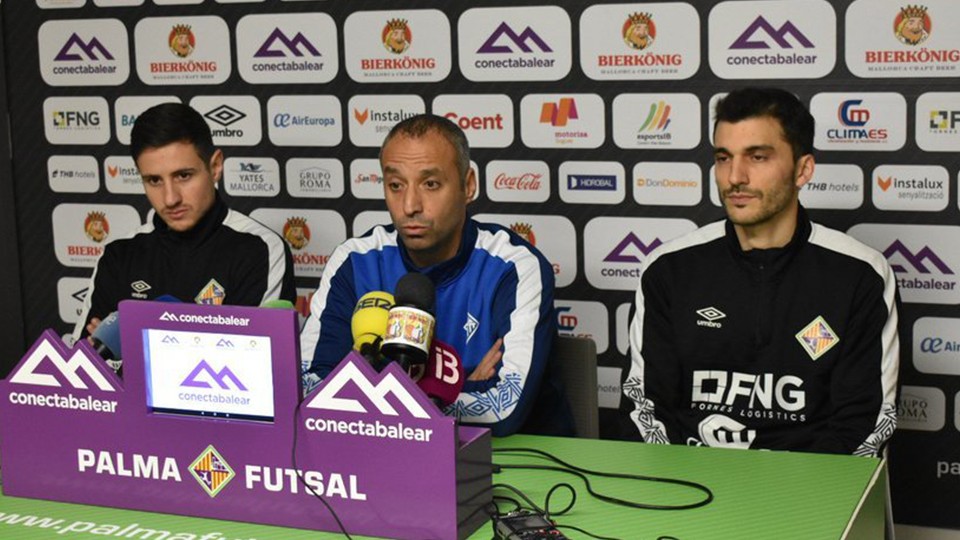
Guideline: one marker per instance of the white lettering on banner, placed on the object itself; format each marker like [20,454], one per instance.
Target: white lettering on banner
[134,466]
[369,429]
[277,479]
[56,401]
[727,386]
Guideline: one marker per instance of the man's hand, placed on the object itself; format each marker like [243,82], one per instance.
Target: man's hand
[91,328]
[488,366]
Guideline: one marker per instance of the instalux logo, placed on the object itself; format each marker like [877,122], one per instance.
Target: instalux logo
[328,396]
[36,369]
[211,471]
[710,316]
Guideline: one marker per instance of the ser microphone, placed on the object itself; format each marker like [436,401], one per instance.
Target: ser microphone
[443,376]
[106,338]
[410,323]
[368,325]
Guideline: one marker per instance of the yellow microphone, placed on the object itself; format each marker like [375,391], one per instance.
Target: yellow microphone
[369,322]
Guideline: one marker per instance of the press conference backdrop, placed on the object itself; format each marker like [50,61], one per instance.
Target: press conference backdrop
[590,132]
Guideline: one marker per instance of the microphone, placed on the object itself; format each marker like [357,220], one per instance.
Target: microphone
[368,324]
[410,323]
[276,304]
[106,338]
[442,377]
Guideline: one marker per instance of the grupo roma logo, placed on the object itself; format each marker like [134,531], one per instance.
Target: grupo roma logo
[96,226]
[639,31]
[181,40]
[396,36]
[912,25]
[296,232]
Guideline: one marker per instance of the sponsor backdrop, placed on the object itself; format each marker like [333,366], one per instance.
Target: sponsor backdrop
[591,133]
[11,316]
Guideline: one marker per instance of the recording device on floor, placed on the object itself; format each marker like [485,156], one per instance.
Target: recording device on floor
[525,525]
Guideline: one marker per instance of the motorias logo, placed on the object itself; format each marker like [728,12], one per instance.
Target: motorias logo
[515,44]
[369,399]
[287,48]
[772,39]
[562,121]
[72,374]
[615,248]
[84,53]
[924,258]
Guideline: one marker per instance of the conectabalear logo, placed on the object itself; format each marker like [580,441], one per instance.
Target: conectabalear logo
[298,46]
[521,42]
[89,48]
[619,252]
[202,375]
[328,398]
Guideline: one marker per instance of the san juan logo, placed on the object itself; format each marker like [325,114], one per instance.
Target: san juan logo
[211,471]
[296,233]
[212,294]
[912,25]
[396,36]
[182,41]
[96,226]
[817,338]
[639,31]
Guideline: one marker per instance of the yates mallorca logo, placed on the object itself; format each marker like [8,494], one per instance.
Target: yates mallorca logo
[203,375]
[296,233]
[211,471]
[96,227]
[817,338]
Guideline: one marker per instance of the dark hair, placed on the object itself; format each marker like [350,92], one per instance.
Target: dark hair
[168,123]
[794,118]
[421,124]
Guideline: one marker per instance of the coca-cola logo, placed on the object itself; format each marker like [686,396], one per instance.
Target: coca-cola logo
[523,182]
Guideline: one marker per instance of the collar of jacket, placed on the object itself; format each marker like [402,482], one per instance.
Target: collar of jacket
[199,233]
[771,260]
[446,271]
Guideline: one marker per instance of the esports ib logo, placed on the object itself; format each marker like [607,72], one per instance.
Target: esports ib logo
[639,31]
[96,226]
[396,36]
[296,233]
[181,40]
[525,230]
[912,25]
[211,471]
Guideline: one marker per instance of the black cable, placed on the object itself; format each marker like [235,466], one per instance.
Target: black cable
[573,499]
[588,533]
[303,481]
[582,474]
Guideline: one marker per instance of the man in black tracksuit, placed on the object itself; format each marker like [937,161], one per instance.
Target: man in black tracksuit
[193,247]
[765,330]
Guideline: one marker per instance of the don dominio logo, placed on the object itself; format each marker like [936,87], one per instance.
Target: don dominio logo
[335,394]
[204,376]
[291,48]
[84,53]
[46,359]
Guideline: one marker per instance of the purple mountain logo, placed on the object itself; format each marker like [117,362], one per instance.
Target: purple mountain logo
[779,35]
[75,45]
[293,46]
[618,253]
[520,41]
[916,260]
[219,377]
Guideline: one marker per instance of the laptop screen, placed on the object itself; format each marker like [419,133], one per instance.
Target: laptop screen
[209,374]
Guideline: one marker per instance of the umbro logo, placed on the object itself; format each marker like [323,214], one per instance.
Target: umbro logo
[140,287]
[710,316]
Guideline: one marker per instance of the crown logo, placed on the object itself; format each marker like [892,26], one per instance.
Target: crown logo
[96,216]
[181,29]
[297,222]
[523,229]
[397,24]
[911,11]
[640,18]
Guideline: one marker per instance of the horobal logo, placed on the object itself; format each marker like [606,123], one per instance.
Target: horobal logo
[370,117]
[647,42]
[614,248]
[562,121]
[287,48]
[924,259]
[397,46]
[515,44]
[591,182]
[84,52]
[375,393]
[204,376]
[867,121]
[233,120]
[182,50]
[656,121]
[898,39]
[911,187]
[76,120]
[775,39]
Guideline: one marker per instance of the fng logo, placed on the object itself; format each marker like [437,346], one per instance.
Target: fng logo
[69,369]
[326,397]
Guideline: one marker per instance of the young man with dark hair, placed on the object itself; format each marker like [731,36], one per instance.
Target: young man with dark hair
[494,291]
[193,247]
[765,330]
